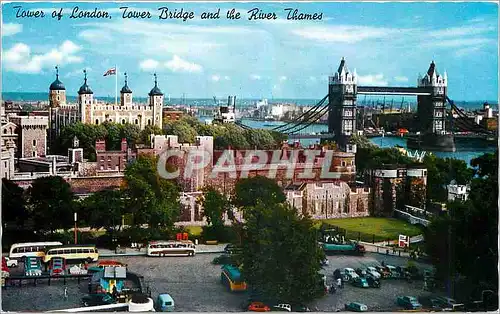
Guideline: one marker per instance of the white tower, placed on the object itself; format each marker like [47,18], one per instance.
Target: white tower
[156,102]
[85,99]
[126,94]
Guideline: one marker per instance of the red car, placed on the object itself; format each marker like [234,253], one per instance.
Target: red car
[258,307]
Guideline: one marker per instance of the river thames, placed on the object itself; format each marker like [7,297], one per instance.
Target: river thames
[464,153]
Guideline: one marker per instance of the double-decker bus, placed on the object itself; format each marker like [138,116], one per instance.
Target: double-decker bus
[30,249]
[231,278]
[171,248]
[76,252]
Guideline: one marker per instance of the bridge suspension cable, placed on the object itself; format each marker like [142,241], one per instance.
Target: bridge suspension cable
[310,120]
[296,121]
[472,126]
[314,120]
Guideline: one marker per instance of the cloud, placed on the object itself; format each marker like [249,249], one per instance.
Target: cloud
[93,35]
[19,58]
[372,80]
[466,51]
[215,78]
[401,79]
[78,73]
[255,77]
[180,65]
[9,29]
[462,42]
[461,31]
[343,33]
[227,78]
[283,78]
[149,64]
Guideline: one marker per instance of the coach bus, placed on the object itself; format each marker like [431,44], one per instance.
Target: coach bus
[30,249]
[75,252]
[231,278]
[171,248]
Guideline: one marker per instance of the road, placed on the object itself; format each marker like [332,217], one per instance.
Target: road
[194,283]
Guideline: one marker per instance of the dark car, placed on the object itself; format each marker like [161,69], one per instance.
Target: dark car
[97,299]
[360,272]
[373,282]
[300,308]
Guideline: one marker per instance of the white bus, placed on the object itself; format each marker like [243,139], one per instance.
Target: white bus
[30,249]
[171,248]
[79,252]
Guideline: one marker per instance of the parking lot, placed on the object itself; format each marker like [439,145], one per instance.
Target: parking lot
[194,283]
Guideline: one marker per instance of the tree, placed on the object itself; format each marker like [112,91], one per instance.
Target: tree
[466,240]
[131,132]
[104,209]
[144,135]
[250,191]
[87,135]
[260,139]
[281,257]
[52,203]
[215,204]
[152,199]
[182,129]
[13,204]
[114,135]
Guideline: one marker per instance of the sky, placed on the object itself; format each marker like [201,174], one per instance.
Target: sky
[389,44]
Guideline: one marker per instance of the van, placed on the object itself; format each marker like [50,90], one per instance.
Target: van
[165,303]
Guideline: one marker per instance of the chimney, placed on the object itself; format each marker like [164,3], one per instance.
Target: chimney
[124,145]
[100,145]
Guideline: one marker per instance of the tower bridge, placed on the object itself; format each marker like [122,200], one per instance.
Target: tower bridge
[343,89]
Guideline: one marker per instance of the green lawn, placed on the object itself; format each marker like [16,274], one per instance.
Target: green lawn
[194,230]
[382,228]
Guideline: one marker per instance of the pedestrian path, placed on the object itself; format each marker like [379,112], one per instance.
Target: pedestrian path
[129,251]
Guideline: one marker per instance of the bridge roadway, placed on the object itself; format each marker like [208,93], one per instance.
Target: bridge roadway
[330,135]
[388,90]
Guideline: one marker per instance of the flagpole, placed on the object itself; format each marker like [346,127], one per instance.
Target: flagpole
[116,86]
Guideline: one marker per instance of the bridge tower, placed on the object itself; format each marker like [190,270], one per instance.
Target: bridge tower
[431,113]
[342,90]
[432,108]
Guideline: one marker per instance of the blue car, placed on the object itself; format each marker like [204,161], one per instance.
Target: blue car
[409,303]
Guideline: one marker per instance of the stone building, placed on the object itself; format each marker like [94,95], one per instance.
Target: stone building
[7,156]
[395,186]
[89,110]
[324,200]
[172,115]
[113,161]
[31,135]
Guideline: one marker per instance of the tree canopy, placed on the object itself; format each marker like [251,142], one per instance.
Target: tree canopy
[280,256]
[52,203]
[14,210]
[249,192]
[151,198]
[104,209]
[466,240]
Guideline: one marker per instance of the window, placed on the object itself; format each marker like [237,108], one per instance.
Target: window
[73,251]
[34,154]
[96,121]
[149,121]
[136,121]
[123,121]
[4,131]
[66,251]
[34,142]
[342,163]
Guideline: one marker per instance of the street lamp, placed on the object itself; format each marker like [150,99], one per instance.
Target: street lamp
[75,227]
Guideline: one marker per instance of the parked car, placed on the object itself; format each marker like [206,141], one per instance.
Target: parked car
[430,303]
[165,303]
[409,303]
[360,272]
[356,307]
[392,271]
[349,274]
[337,273]
[258,307]
[105,263]
[373,282]
[97,299]
[282,307]
[383,271]
[10,262]
[57,266]
[360,282]
[372,271]
[450,304]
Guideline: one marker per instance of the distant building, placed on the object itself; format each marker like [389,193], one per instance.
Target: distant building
[324,200]
[395,186]
[32,135]
[172,115]
[113,161]
[458,192]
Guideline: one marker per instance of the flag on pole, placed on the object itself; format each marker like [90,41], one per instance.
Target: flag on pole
[111,71]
